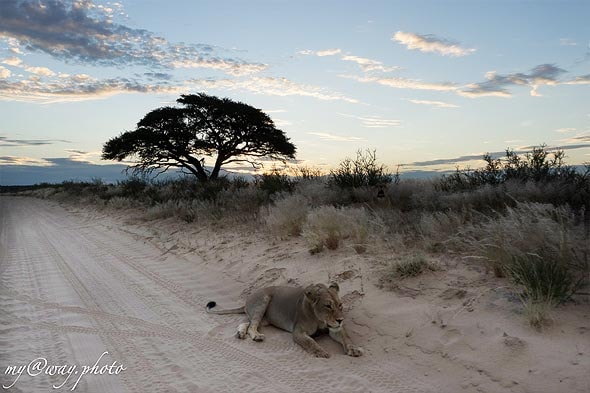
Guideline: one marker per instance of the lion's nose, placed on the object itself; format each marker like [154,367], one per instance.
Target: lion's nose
[339,320]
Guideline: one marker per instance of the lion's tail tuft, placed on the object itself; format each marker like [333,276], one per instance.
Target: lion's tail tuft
[212,304]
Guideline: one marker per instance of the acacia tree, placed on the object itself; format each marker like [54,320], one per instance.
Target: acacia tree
[204,126]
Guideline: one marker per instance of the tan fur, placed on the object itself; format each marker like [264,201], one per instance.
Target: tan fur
[305,312]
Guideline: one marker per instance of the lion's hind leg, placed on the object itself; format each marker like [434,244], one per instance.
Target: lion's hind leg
[256,314]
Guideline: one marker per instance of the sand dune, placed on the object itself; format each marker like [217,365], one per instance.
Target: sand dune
[76,283]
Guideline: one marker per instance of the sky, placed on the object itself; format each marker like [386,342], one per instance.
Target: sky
[429,85]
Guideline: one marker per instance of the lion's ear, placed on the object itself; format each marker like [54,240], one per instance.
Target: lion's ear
[311,293]
[334,286]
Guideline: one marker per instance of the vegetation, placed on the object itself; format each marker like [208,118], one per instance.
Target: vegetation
[363,171]
[205,126]
[410,267]
[524,219]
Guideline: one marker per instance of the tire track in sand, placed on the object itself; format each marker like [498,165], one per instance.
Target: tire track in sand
[147,309]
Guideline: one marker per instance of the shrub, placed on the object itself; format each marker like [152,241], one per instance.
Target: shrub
[537,166]
[287,216]
[327,226]
[411,267]
[363,171]
[544,280]
[120,203]
[274,182]
[528,228]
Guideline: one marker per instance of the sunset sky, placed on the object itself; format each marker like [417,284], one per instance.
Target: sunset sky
[430,85]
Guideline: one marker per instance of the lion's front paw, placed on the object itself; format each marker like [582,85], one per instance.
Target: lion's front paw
[320,353]
[258,337]
[354,351]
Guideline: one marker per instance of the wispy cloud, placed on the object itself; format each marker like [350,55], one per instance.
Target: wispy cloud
[430,43]
[437,104]
[479,157]
[335,138]
[10,142]
[374,121]
[565,130]
[321,53]
[368,65]
[567,42]
[273,86]
[82,31]
[579,80]
[496,84]
[403,83]
[584,138]
[15,160]
[67,88]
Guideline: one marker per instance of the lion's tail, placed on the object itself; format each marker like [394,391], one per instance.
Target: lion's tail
[211,305]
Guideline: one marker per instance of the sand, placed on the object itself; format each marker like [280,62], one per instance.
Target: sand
[79,282]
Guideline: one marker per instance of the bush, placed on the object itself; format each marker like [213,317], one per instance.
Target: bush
[411,267]
[328,226]
[544,280]
[537,246]
[363,171]
[287,216]
[528,228]
[274,182]
[539,166]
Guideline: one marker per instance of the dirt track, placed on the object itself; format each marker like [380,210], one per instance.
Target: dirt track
[73,288]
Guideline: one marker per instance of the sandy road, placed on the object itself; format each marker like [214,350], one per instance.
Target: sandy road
[72,289]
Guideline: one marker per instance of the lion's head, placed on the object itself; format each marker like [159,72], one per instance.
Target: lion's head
[326,304]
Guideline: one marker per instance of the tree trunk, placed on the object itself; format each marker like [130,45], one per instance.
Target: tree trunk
[216,168]
[197,169]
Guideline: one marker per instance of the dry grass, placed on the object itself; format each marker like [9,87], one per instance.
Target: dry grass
[328,226]
[287,216]
[410,267]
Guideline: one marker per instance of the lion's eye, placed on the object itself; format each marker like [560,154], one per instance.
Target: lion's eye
[340,307]
[329,306]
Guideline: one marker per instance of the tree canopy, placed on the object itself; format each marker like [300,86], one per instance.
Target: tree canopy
[204,126]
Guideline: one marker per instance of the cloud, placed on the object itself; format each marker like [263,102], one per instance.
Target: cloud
[26,170]
[378,122]
[498,154]
[68,88]
[43,71]
[578,139]
[403,83]
[15,160]
[430,43]
[272,86]
[368,65]
[438,104]
[158,76]
[335,138]
[448,161]
[567,42]
[321,53]
[565,130]
[4,73]
[496,84]
[9,142]
[82,31]
[579,80]
[12,61]
[375,121]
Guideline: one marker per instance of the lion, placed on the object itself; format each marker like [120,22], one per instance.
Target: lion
[305,312]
